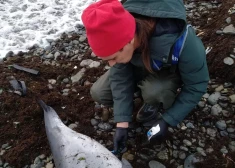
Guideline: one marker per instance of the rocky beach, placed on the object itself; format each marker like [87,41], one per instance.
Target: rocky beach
[62,73]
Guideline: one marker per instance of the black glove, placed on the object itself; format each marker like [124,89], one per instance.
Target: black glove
[119,140]
[158,131]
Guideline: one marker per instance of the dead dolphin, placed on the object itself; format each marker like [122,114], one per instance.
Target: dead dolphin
[74,150]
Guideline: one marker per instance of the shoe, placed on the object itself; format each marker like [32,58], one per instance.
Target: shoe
[147,112]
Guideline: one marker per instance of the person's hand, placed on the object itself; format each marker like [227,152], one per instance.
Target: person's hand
[119,140]
[158,131]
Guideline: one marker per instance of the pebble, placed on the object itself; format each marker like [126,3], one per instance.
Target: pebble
[82,38]
[201,104]
[223,133]
[94,64]
[213,98]
[232,146]
[206,95]
[231,130]
[232,98]
[229,29]
[224,150]
[226,113]
[86,62]
[78,76]
[182,155]
[219,89]
[65,80]
[156,164]
[211,132]
[94,122]
[221,125]
[229,20]
[229,60]
[49,165]
[4,146]
[49,56]
[73,126]
[52,81]
[187,142]
[216,110]
[190,161]
[105,126]
[184,148]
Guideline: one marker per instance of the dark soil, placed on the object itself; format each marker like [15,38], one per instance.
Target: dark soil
[28,139]
[223,45]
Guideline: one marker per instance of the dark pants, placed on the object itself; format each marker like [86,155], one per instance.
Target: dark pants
[160,87]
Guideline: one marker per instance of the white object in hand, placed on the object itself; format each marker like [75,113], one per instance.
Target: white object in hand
[153,131]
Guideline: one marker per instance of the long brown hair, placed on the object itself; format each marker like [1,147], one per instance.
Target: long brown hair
[144,29]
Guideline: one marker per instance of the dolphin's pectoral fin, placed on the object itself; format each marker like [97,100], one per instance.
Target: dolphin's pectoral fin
[43,105]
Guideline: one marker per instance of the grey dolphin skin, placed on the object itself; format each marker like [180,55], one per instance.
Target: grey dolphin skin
[74,150]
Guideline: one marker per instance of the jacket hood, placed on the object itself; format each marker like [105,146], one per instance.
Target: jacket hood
[157,8]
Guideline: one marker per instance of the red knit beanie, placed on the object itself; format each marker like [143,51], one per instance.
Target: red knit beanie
[109,27]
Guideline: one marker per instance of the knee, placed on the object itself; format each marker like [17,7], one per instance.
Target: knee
[95,93]
[158,94]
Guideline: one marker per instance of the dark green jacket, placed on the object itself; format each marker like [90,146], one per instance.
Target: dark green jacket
[192,64]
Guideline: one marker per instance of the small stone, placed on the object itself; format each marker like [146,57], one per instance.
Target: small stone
[78,76]
[130,157]
[216,110]
[229,29]
[201,104]
[187,142]
[224,150]
[231,130]
[232,98]
[191,160]
[229,20]
[182,155]
[206,95]
[49,56]
[221,125]
[226,113]
[211,132]
[227,84]
[66,80]
[219,32]
[94,64]
[86,62]
[223,133]
[49,165]
[52,81]
[4,146]
[75,42]
[94,122]
[232,146]
[213,98]
[219,89]
[201,151]
[73,126]
[190,125]
[42,156]
[105,114]
[209,150]
[93,54]
[105,126]
[228,61]
[82,38]
[156,164]
[184,148]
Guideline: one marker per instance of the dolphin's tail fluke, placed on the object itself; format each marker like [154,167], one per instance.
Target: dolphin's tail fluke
[45,107]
